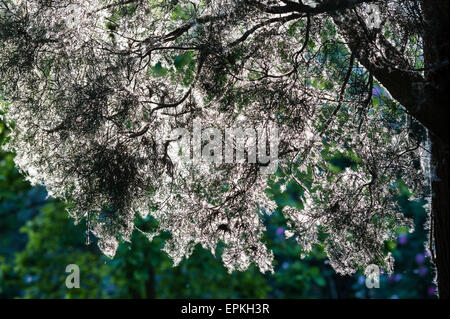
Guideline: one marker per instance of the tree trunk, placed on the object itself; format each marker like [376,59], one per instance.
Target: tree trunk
[440,213]
[436,51]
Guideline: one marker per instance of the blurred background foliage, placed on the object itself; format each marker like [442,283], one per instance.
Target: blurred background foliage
[38,241]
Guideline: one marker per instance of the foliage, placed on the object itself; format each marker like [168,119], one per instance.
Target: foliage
[95,88]
[38,240]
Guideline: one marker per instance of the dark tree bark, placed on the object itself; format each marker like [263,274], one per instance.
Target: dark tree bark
[436,50]
[440,213]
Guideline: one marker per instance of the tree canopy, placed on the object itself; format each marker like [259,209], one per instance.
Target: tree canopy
[38,240]
[94,89]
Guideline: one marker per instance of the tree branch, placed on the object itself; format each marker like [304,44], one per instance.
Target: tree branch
[326,6]
[408,88]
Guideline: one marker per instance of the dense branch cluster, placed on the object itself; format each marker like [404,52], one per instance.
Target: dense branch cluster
[95,89]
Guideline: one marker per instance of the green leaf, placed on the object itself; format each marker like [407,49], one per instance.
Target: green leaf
[180,61]
[159,71]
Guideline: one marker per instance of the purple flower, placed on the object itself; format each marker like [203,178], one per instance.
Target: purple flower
[432,290]
[280,231]
[423,271]
[377,91]
[420,258]
[390,278]
[427,253]
[398,277]
[402,239]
